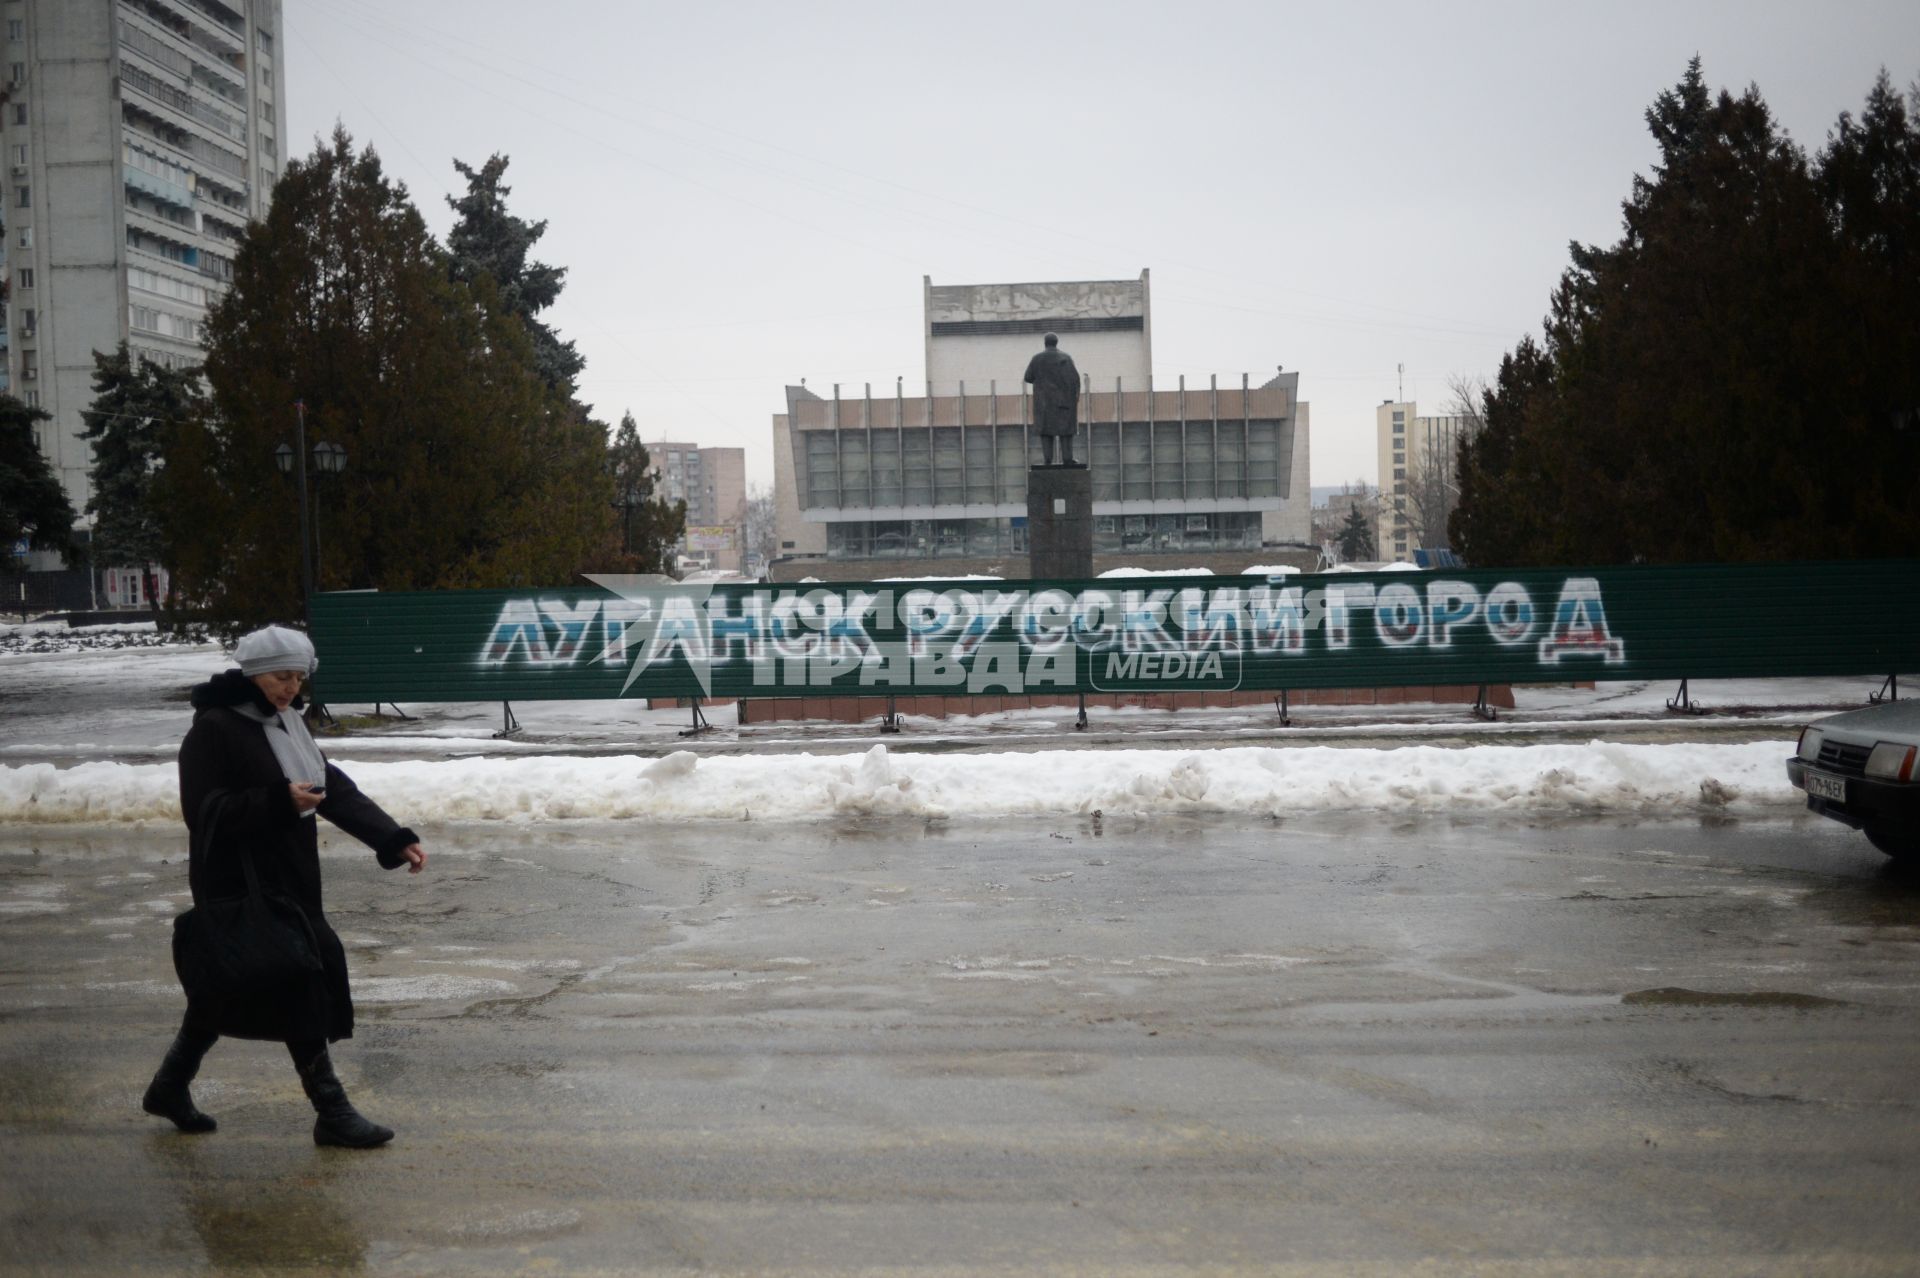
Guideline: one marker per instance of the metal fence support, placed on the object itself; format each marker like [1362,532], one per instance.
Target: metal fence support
[890,721]
[1080,724]
[1481,710]
[700,723]
[1889,691]
[398,712]
[1286,718]
[1679,703]
[508,724]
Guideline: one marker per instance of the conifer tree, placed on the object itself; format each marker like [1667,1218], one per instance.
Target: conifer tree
[1356,536]
[649,523]
[1732,379]
[464,467]
[488,240]
[135,408]
[33,505]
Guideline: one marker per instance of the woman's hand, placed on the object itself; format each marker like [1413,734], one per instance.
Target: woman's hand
[416,858]
[305,797]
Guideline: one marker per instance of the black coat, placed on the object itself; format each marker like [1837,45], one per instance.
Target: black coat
[227,755]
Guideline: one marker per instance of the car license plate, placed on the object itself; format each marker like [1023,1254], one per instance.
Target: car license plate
[1822,786]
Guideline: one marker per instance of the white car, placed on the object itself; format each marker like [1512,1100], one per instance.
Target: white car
[1862,768]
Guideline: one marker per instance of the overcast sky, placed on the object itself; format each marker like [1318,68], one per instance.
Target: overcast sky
[748,194]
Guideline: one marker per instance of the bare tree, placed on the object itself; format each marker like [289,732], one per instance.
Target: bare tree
[1469,398]
[759,535]
[1433,475]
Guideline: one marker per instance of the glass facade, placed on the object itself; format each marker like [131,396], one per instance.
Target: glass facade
[952,538]
[922,466]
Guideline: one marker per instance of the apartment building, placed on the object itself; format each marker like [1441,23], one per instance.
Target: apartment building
[140,137]
[1419,485]
[713,483]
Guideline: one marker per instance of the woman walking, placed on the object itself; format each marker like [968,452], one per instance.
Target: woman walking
[251,781]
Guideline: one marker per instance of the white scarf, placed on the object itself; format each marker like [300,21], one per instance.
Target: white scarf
[292,745]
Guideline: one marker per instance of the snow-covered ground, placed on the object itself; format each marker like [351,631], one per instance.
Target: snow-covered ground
[87,735]
[42,637]
[1599,776]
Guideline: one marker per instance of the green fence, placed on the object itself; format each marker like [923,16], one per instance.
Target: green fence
[913,638]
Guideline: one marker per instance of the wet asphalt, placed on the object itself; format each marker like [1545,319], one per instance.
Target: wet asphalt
[1340,1045]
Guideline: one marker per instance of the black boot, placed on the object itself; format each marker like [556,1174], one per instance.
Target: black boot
[167,1095]
[339,1123]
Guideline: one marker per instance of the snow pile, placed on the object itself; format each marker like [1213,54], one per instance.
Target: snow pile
[1596,777]
[1398,565]
[1157,572]
[55,636]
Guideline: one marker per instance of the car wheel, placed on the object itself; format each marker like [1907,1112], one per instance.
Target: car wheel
[1901,845]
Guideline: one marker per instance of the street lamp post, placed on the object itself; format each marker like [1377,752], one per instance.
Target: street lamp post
[295,459]
[328,459]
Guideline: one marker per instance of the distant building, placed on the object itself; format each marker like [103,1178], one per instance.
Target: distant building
[934,481]
[140,138]
[713,483]
[1419,483]
[1333,506]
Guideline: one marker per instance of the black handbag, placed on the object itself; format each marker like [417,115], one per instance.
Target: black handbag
[239,951]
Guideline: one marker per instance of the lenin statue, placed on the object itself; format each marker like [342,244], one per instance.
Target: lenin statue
[1056,399]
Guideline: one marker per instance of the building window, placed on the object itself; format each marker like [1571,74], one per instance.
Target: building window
[23,197]
[17,72]
[23,277]
[1399,473]
[1399,428]
[20,153]
[19,113]
[16,29]
[30,398]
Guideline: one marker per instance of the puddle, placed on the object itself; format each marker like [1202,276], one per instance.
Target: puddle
[1674,996]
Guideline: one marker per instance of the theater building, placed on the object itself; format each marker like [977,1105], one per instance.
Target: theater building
[1208,471]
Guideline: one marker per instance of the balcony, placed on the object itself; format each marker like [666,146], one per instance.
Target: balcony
[154,49]
[229,52]
[184,234]
[159,188]
[184,103]
[191,259]
[226,16]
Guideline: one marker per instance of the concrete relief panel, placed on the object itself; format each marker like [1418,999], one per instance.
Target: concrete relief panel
[1090,299]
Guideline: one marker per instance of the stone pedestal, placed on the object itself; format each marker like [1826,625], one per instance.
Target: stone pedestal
[1060,522]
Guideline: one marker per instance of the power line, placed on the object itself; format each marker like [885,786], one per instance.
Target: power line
[1433,323]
